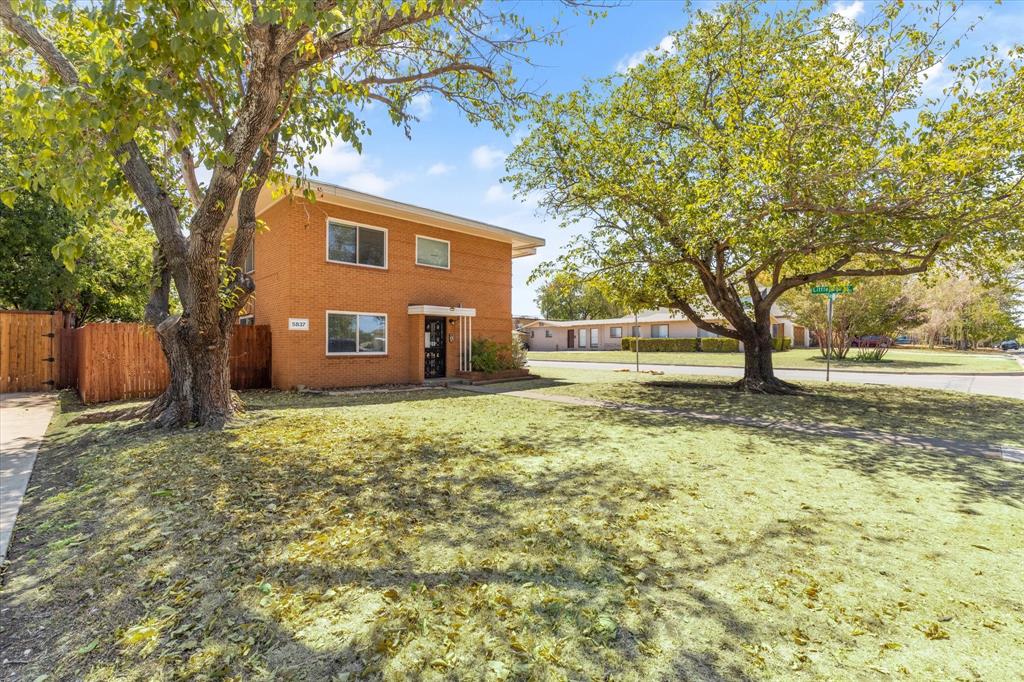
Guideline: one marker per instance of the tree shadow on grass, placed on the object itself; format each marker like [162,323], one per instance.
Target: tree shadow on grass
[876,454]
[328,545]
[893,413]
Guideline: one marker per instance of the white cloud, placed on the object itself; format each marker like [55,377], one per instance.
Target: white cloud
[369,182]
[420,106]
[850,10]
[485,157]
[338,159]
[667,45]
[440,168]
[496,193]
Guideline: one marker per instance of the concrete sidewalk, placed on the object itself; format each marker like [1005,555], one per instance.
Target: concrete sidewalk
[1002,385]
[23,421]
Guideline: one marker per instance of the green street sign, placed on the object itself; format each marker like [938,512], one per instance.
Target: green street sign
[832,290]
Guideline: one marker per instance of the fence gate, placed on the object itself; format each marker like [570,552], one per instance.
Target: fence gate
[29,350]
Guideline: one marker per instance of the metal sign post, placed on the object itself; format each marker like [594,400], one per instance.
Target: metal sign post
[828,334]
[831,292]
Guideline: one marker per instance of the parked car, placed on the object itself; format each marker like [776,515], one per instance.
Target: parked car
[1009,345]
[902,340]
[873,341]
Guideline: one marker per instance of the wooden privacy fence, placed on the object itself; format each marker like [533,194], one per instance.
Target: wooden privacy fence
[108,361]
[31,346]
[119,361]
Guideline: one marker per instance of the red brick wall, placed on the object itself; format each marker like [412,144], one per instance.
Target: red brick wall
[294,279]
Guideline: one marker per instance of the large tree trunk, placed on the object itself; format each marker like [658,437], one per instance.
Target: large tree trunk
[758,372]
[200,388]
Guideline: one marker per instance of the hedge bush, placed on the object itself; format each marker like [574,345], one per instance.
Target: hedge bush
[627,343]
[668,345]
[491,356]
[720,345]
[781,343]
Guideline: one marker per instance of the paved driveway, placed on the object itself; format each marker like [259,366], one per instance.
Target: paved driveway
[1006,386]
[23,421]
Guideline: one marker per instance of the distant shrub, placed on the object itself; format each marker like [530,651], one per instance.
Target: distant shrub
[719,345]
[667,345]
[781,343]
[491,356]
[629,343]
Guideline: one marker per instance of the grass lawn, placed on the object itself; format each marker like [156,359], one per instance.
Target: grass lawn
[810,358]
[446,535]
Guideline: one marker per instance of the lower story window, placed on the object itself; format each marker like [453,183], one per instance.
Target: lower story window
[247,320]
[616,332]
[659,331]
[547,333]
[357,333]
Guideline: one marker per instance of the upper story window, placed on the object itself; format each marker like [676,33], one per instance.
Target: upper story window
[616,332]
[357,333]
[659,331]
[434,253]
[357,245]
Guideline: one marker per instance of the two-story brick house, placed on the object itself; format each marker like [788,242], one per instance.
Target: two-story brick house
[361,290]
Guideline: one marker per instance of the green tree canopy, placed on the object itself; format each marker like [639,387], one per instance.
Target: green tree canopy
[776,148]
[565,297]
[879,306]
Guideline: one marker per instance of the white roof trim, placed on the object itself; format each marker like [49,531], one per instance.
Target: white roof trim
[522,244]
[442,311]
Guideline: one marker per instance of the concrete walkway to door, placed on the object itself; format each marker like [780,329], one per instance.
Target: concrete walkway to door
[23,421]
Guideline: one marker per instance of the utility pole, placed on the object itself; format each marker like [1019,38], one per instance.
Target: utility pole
[636,339]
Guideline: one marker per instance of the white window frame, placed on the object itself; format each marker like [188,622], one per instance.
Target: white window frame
[247,317]
[250,256]
[655,326]
[595,337]
[365,353]
[358,226]
[433,239]
[612,334]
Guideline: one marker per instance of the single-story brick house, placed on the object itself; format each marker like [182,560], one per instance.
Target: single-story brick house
[551,335]
[361,290]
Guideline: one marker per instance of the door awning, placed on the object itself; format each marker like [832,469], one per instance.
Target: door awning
[442,311]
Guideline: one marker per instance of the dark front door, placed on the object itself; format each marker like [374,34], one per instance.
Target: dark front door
[572,338]
[434,351]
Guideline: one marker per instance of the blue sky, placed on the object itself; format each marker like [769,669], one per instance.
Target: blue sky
[453,166]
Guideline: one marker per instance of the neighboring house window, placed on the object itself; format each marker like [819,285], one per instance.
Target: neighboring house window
[532,333]
[357,245]
[433,253]
[583,338]
[250,259]
[616,332]
[635,332]
[659,331]
[547,333]
[247,320]
[356,333]
[593,338]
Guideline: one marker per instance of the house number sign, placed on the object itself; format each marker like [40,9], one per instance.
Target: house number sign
[300,324]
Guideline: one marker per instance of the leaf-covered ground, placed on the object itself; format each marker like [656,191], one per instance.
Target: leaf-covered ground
[884,410]
[899,360]
[446,535]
